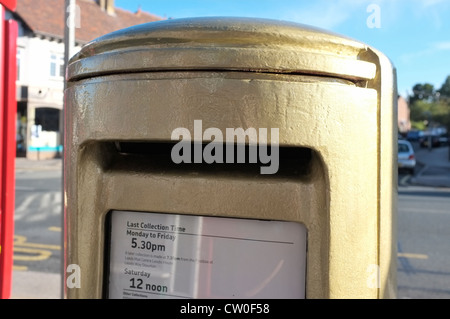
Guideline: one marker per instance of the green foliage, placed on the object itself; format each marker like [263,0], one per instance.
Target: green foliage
[422,92]
[420,110]
[441,113]
[418,126]
[444,91]
[430,106]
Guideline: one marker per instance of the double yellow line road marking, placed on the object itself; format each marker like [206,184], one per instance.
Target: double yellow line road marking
[32,251]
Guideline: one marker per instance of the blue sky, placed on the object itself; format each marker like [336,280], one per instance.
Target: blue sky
[414,34]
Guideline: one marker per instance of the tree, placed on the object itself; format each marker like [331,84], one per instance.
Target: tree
[444,91]
[430,106]
[422,92]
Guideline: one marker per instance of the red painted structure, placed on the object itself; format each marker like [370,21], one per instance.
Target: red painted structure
[8,113]
[9,4]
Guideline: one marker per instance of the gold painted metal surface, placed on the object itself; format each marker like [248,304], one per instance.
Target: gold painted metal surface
[324,92]
[223,44]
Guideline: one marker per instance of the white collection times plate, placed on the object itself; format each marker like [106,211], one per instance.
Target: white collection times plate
[155,256]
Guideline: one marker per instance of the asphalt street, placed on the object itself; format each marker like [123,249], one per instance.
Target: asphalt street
[38,221]
[433,167]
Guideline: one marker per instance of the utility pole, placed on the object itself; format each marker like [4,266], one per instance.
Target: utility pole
[70,13]
[69,31]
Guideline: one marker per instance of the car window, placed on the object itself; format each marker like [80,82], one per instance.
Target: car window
[403,148]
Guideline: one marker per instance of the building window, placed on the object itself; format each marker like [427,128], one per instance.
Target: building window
[48,118]
[56,66]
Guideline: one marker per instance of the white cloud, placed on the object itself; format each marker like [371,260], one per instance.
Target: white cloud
[324,14]
[442,46]
[432,11]
[330,14]
[430,3]
[433,48]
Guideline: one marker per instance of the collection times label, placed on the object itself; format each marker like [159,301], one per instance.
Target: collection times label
[179,256]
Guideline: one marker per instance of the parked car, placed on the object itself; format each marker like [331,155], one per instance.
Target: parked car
[406,156]
[414,135]
[443,139]
[425,140]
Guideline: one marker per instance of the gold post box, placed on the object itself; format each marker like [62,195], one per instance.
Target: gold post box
[229,158]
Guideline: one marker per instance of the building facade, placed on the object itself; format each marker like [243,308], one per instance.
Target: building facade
[404,121]
[41,69]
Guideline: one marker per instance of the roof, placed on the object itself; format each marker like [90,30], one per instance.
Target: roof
[46,17]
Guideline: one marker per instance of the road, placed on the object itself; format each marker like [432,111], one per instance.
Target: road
[38,219]
[423,236]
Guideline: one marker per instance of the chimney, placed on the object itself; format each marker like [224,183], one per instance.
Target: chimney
[110,7]
[107,6]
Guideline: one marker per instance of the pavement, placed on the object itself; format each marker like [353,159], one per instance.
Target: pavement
[433,167]
[36,285]
[23,164]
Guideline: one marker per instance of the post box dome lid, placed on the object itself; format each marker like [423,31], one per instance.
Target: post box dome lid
[224,44]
